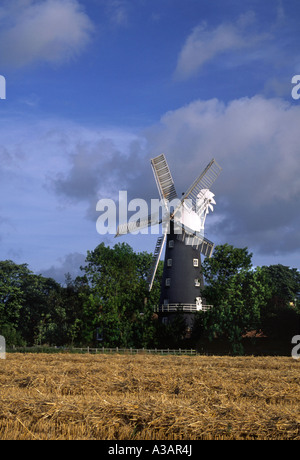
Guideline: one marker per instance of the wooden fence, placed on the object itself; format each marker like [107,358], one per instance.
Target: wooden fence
[134,351]
[103,350]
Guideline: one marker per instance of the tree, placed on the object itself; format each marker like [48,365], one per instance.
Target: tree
[236,292]
[280,316]
[116,301]
[31,306]
[285,284]
[43,317]
[225,262]
[11,291]
[219,270]
[172,334]
[73,294]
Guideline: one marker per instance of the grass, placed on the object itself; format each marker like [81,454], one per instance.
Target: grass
[119,397]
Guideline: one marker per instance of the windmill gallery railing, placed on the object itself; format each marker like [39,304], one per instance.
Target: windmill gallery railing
[177,307]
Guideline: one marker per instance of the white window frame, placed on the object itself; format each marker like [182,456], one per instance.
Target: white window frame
[197,282]
[171,243]
[169,262]
[196,262]
[168,282]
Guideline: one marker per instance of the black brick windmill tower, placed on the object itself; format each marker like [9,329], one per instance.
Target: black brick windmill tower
[183,234]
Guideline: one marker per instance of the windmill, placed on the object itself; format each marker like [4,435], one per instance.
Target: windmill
[183,234]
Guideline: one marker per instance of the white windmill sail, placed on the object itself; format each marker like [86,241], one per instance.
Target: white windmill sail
[155,260]
[189,212]
[163,178]
[167,192]
[195,204]
[132,226]
[203,182]
[206,247]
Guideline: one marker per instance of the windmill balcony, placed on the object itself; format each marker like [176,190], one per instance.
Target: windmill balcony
[177,307]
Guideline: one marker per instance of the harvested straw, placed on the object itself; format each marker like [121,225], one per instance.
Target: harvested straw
[148,397]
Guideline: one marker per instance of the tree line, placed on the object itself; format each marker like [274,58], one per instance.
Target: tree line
[109,305]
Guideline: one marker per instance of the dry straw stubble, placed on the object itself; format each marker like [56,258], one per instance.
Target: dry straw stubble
[67,396]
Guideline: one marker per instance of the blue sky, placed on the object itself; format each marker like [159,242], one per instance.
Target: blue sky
[95,88]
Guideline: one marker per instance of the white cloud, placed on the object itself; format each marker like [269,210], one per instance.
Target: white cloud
[70,263]
[118,12]
[52,174]
[255,140]
[204,44]
[51,31]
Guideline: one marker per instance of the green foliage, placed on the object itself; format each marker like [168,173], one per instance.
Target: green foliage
[237,292]
[12,336]
[284,283]
[116,302]
[280,315]
[239,309]
[42,312]
[111,297]
[171,335]
[11,291]
[33,309]
[226,262]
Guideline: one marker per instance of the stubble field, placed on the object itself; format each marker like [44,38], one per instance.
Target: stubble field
[123,397]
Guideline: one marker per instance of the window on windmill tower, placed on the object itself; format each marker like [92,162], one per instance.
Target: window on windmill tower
[196,262]
[168,281]
[169,262]
[171,244]
[197,282]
